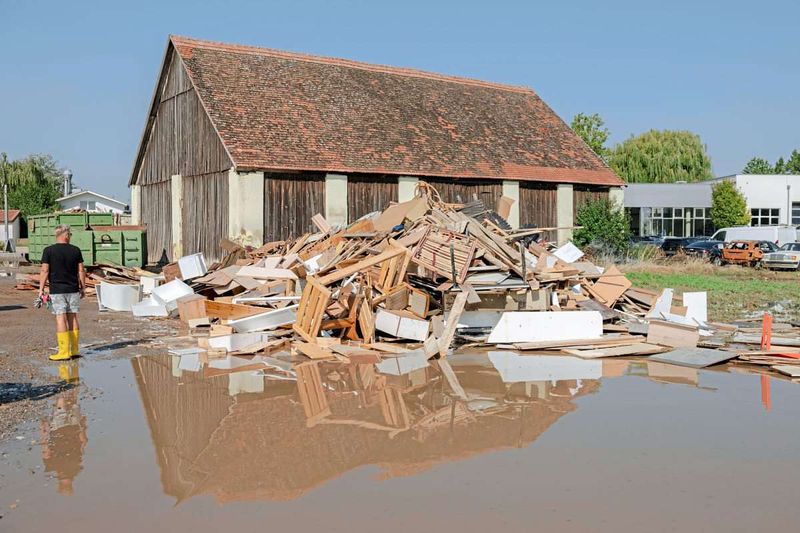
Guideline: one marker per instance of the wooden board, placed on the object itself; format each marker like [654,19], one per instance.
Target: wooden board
[226,311]
[452,323]
[671,334]
[313,351]
[693,357]
[640,348]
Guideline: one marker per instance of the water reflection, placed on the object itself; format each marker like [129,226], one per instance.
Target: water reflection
[266,428]
[63,432]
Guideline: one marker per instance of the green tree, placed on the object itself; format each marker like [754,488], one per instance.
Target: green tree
[661,157]
[793,164]
[591,128]
[779,167]
[757,165]
[603,224]
[728,206]
[34,183]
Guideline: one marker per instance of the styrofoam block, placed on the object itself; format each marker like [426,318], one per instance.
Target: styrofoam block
[237,341]
[117,297]
[192,266]
[269,320]
[150,307]
[540,326]
[170,292]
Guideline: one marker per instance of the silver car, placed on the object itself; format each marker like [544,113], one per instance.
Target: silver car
[788,256]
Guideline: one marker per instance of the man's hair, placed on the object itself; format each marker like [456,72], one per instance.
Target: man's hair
[62,230]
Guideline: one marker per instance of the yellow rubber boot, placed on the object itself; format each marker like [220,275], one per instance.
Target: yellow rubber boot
[63,347]
[74,349]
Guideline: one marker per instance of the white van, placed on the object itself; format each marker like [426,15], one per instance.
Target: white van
[780,235]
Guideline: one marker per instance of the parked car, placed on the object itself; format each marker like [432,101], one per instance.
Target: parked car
[746,253]
[675,245]
[654,240]
[779,235]
[788,256]
[707,249]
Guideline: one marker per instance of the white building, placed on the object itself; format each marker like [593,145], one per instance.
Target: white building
[684,209]
[93,202]
[13,225]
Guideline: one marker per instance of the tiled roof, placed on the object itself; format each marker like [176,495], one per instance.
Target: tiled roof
[284,111]
[12,215]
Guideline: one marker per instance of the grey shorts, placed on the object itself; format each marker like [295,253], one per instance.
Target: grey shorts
[66,303]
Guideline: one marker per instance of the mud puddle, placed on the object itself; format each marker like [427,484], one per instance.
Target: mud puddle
[521,443]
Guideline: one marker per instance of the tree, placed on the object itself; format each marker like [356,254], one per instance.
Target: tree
[35,198]
[34,183]
[757,165]
[591,129]
[793,164]
[603,224]
[661,157]
[728,206]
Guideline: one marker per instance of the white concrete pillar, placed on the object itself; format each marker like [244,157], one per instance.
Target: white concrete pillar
[511,189]
[136,204]
[177,217]
[246,207]
[617,196]
[565,202]
[336,199]
[406,185]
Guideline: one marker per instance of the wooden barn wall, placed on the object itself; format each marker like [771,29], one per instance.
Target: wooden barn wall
[586,193]
[368,193]
[181,138]
[290,200]
[464,191]
[205,214]
[157,215]
[538,205]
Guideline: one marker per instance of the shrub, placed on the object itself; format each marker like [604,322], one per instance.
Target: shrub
[604,225]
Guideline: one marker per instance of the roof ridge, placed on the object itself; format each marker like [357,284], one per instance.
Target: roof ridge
[404,71]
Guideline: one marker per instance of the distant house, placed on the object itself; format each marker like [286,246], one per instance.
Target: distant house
[13,225]
[93,202]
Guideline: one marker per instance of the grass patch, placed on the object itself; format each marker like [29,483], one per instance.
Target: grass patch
[733,292]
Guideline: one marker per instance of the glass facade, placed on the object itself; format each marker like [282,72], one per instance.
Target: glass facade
[765,217]
[674,221]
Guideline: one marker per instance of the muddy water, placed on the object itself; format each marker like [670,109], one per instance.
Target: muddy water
[527,443]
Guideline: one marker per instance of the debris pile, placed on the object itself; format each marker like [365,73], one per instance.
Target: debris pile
[417,279]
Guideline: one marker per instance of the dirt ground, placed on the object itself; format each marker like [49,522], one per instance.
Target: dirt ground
[28,380]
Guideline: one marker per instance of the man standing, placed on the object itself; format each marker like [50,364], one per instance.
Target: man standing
[62,266]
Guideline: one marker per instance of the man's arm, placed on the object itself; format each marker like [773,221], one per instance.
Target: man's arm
[82,279]
[43,273]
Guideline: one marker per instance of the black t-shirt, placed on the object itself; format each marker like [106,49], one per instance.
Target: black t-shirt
[63,259]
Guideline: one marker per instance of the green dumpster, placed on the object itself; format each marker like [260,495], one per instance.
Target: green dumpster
[94,233]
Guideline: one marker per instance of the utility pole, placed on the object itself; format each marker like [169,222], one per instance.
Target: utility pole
[7,243]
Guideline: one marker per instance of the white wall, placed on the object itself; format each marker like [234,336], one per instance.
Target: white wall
[13,230]
[770,191]
[101,205]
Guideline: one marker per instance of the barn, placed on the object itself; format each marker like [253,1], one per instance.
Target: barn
[249,143]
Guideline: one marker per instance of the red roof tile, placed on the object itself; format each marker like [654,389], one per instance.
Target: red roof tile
[12,215]
[285,111]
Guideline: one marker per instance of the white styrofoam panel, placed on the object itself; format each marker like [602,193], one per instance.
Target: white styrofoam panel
[540,326]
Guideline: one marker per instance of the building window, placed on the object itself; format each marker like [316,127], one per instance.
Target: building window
[680,222]
[795,213]
[87,205]
[764,217]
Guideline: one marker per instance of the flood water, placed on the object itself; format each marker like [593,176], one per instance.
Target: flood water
[533,443]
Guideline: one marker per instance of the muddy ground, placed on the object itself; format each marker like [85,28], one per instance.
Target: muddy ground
[28,380]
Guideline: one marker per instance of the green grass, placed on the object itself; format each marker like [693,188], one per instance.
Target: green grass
[733,292]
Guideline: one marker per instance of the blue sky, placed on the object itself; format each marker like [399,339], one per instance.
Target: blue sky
[77,76]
